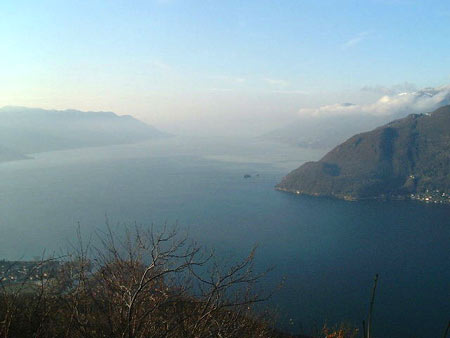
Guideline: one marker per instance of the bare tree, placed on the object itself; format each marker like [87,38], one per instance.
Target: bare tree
[139,284]
[26,295]
[160,285]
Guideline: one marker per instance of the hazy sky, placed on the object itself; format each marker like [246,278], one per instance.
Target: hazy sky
[179,63]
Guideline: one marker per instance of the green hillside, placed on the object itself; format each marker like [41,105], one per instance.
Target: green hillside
[407,158]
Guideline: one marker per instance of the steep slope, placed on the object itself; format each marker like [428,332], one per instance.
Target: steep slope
[30,130]
[406,158]
[328,125]
[324,132]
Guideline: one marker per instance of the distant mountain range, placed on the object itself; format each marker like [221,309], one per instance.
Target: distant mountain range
[407,158]
[10,155]
[324,132]
[329,125]
[26,131]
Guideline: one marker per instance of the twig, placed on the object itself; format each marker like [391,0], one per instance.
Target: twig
[369,319]
[447,330]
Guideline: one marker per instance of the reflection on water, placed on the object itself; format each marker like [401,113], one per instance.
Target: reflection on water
[327,250]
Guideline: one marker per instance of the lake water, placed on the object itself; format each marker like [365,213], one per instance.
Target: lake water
[326,251]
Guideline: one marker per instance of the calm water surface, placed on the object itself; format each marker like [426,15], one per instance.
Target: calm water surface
[326,251]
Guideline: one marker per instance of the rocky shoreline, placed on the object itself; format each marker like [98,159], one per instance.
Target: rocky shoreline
[434,196]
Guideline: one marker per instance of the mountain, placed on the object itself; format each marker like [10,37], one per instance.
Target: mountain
[10,155]
[324,132]
[31,130]
[407,158]
[328,125]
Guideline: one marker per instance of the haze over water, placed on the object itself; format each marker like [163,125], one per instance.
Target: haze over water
[326,251]
[232,73]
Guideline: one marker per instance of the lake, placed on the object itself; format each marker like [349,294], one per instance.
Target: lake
[327,251]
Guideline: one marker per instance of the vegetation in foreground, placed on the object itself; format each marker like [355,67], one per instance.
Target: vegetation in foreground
[141,285]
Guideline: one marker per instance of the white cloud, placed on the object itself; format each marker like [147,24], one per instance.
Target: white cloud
[293,92]
[228,78]
[276,82]
[219,89]
[392,90]
[420,101]
[355,40]
[161,66]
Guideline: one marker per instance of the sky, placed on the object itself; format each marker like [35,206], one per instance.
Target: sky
[218,65]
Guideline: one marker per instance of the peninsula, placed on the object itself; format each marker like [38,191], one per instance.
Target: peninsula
[408,158]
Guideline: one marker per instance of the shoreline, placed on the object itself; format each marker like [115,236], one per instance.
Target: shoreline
[428,198]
